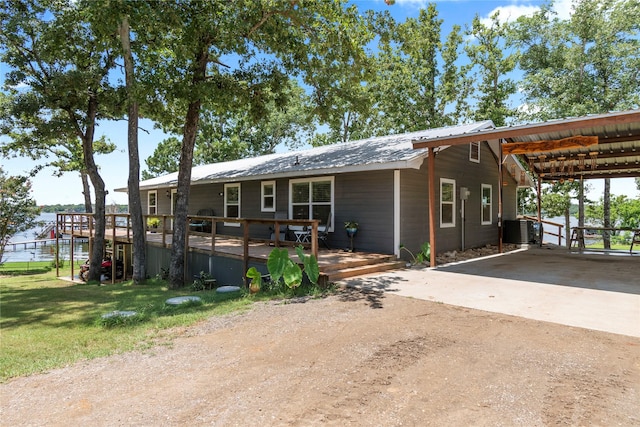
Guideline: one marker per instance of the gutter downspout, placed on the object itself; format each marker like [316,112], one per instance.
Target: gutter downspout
[432,196]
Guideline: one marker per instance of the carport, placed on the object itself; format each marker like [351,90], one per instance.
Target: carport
[582,148]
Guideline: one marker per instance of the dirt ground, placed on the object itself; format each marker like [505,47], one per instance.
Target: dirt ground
[356,358]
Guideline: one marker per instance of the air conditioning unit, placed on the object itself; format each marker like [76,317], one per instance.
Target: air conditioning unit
[521,231]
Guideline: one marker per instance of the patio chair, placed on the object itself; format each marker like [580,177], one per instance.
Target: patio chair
[323,232]
[202,225]
[283,228]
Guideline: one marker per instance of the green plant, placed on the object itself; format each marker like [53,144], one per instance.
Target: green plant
[419,257]
[282,269]
[350,225]
[153,222]
[199,283]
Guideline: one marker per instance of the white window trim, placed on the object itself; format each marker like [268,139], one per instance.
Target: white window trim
[262,195]
[226,186]
[310,180]
[471,145]
[453,203]
[149,202]
[482,204]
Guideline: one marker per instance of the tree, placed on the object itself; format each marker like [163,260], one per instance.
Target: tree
[265,43]
[64,67]
[418,84]
[235,133]
[556,201]
[18,211]
[486,52]
[588,64]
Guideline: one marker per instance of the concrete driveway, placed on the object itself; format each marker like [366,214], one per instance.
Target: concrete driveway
[592,290]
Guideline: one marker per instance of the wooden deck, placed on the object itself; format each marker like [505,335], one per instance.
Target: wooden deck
[334,264]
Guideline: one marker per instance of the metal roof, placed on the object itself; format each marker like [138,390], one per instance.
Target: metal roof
[386,152]
[617,154]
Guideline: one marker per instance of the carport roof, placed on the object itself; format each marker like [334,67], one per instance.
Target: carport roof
[615,155]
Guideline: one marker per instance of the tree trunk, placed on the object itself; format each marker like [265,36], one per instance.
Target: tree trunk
[177,267]
[606,207]
[86,192]
[580,210]
[567,231]
[135,207]
[97,252]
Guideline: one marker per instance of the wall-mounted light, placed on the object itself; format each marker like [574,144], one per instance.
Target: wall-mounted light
[168,194]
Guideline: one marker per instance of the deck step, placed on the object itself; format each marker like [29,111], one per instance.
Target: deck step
[360,270]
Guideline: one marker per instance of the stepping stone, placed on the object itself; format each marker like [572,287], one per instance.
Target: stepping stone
[225,289]
[182,300]
[118,313]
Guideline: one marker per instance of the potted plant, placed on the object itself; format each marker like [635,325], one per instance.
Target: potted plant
[153,222]
[351,227]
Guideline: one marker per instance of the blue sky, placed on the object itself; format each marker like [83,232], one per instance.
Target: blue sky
[48,189]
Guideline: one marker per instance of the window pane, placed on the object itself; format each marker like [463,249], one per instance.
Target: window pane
[447,192]
[152,199]
[300,192]
[301,212]
[486,213]
[321,212]
[232,194]
[268,202]
[232,211]
[268,190]
[321,191]
[447,214]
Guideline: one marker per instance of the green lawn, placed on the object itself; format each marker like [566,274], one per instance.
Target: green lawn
[47,323]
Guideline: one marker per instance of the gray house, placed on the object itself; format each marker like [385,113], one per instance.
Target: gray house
[381,183]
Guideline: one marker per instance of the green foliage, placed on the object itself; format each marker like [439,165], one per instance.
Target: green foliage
[48,323]
[255,276]
[282,267]
[18,211]
[625,212]
[199,283]
[153,221]
[423,255]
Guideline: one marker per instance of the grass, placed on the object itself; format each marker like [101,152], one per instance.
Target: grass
[48,323]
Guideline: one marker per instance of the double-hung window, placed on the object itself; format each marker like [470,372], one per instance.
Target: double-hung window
[447,202]
[311,198]
[486,204]
[268,196]
[232,203]
[152,205]
[474,152]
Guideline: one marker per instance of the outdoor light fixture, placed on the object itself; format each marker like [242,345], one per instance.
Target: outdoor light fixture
[542,158]
[561,160]
[552,164]
[522,178]
[594,158]
[168,193]
[581,158]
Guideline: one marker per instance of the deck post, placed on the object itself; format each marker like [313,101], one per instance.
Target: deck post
[245,252]
[57,245]
[431,165]
[71,243]
[500,185]
[214,225]
[314,238]
[114,249]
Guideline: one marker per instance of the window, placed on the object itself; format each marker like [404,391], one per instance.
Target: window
[311,198]
[268,196]
[486,204]
[232,203]
[474,152]
[447,202]
[152,205]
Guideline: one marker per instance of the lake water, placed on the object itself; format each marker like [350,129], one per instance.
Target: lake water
[43,252]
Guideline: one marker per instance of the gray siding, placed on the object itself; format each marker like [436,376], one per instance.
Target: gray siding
[367,198]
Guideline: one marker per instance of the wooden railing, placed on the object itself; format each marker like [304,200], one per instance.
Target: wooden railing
[118,229]
[555,224]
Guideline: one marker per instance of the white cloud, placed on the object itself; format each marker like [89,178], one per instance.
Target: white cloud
[510,13]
